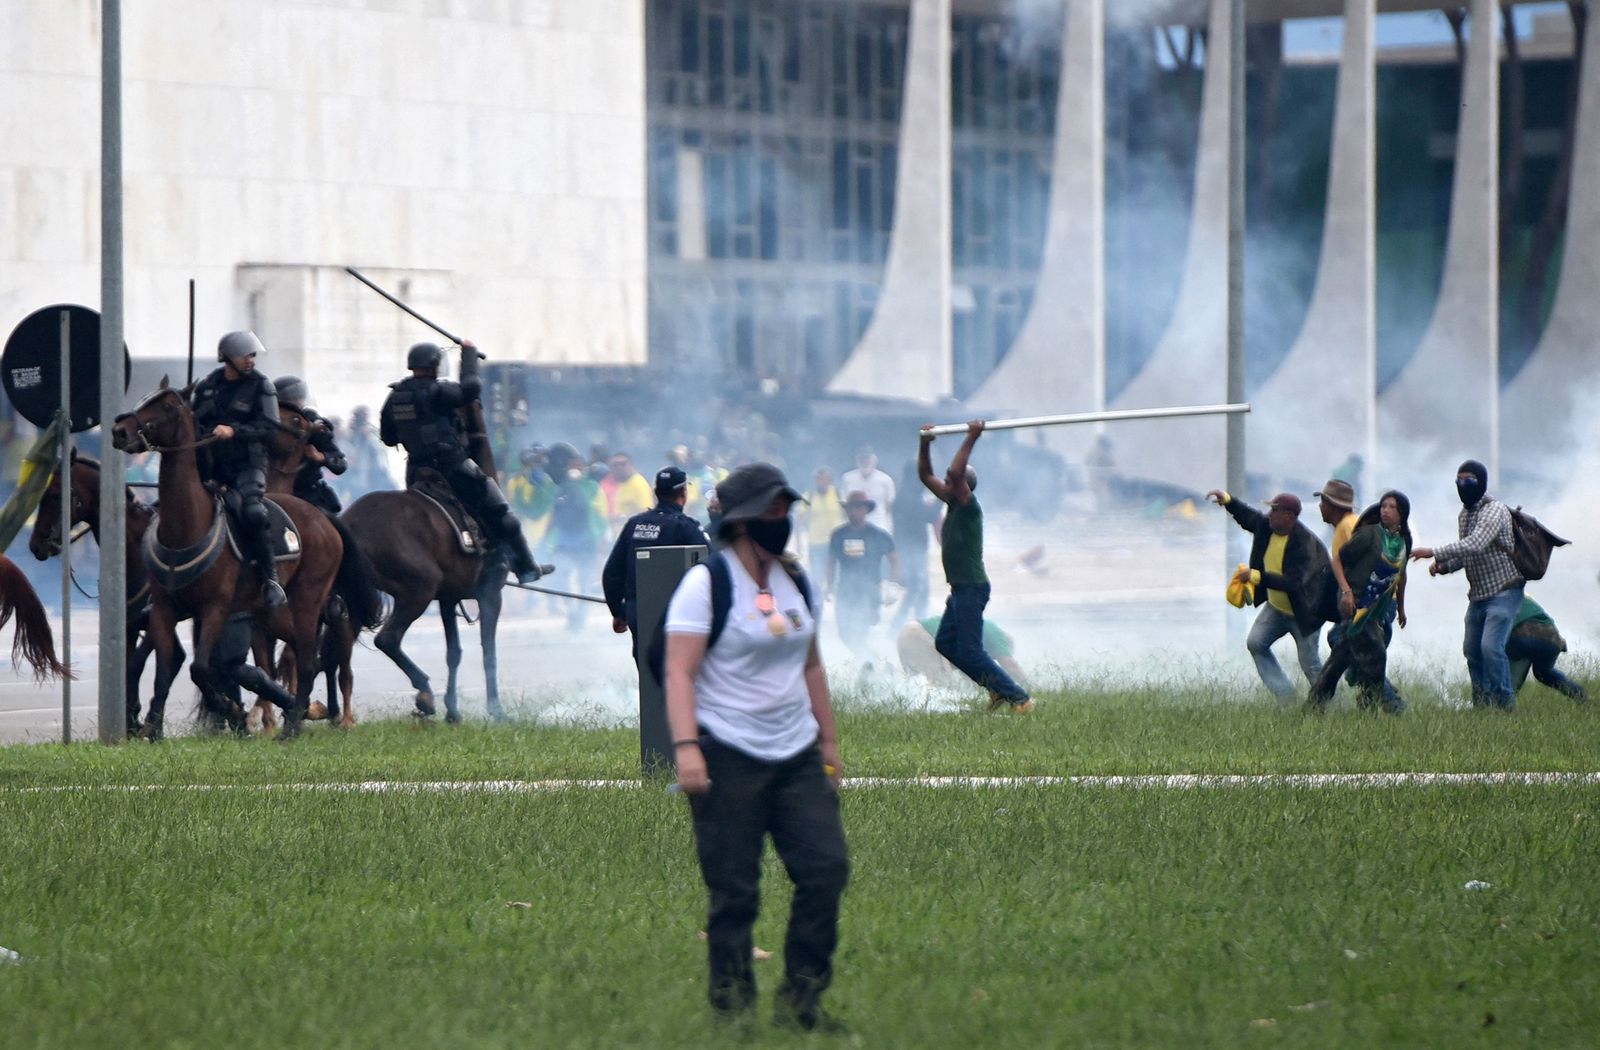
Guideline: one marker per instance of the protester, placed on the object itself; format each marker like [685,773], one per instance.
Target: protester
[1336,503]
[960,637]
[879,486]
[1370,575]
[856,553]
[664,525]
[577,528]
[1534,644]
[627,492]
[822,513]
[1494,586]
[915,514]
[757,751]
[1289,567]
[919,656]
[532,493]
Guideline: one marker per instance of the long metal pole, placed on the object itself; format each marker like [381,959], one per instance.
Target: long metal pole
[558,594]
[64,476]
[1233,537]
[113,540]
[191,332]
[1112,416]
[358,275]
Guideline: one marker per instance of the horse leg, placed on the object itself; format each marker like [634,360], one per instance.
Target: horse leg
[406,610]
[307,618]
[139,648]
[452,658]
[261,651]
[213,689]
[163,634]
[489,605]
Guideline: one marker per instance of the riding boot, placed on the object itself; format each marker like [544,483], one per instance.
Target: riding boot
[523,566]
[260,553]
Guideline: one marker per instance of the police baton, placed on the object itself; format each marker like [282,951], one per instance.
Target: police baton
[358,275]
[546,570]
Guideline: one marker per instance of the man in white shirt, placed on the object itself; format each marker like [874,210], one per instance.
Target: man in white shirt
[878,486]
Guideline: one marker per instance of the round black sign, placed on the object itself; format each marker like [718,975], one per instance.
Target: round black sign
[30,367]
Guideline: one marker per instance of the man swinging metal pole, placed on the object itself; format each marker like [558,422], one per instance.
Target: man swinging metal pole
[358,275]
[1099,417]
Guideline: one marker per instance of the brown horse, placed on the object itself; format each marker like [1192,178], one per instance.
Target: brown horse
[416,559]
[46,541]
[33,644]
[163,422]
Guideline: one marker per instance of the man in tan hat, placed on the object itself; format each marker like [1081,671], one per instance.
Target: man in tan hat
[1290,569]
[1337,504]
[856,553]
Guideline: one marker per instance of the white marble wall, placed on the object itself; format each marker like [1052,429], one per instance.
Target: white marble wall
[499,143]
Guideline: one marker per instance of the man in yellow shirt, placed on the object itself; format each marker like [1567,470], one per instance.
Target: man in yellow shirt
[1290,569]
[627,492]
[822,512]
[1337,503]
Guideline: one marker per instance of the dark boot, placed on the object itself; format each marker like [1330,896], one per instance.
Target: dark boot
[260,553]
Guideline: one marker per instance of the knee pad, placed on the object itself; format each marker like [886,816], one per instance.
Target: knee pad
[255,512]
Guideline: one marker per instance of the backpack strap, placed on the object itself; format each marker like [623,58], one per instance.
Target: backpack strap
[722,591]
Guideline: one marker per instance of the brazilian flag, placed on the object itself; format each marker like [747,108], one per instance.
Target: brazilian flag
[37,468]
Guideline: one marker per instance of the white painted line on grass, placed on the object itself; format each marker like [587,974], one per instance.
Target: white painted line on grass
[1162,782]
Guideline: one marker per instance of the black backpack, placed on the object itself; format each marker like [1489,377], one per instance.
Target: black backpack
[1531,545]
[721,601]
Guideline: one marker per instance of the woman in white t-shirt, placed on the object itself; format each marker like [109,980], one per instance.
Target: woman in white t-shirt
[757,752]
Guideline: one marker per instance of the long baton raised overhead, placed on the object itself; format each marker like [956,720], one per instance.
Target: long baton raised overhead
[358,275]
[1097,417]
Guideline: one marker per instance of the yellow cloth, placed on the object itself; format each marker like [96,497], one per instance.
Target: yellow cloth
[823,515]
[1273,563]
[1343,531]
[1241,591]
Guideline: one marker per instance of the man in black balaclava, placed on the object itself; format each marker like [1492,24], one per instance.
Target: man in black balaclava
[1494,586]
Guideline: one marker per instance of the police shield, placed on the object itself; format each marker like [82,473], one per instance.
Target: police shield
[30,366]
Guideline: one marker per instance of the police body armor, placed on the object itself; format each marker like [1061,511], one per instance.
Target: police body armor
[412,417]
[249,405]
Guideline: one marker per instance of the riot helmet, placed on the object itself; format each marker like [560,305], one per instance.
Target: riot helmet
[292,390]
[424,355]
[236,346]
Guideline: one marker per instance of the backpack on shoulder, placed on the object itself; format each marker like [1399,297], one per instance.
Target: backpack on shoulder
[721,601]
[1531,545]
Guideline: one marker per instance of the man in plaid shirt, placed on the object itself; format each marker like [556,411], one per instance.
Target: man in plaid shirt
[1494,587]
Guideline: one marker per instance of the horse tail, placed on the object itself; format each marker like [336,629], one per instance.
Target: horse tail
[354,581]
[34,642]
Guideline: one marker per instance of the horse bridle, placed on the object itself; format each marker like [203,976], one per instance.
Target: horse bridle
[143,434]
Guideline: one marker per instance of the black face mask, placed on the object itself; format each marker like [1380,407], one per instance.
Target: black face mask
[770,536]
[1470,490]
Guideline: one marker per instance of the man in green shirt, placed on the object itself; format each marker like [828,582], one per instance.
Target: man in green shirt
[960,638]
[1534,644]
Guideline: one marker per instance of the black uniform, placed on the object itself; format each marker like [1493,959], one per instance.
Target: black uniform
[420,414]
[309,484]
[664,525]
[249,405]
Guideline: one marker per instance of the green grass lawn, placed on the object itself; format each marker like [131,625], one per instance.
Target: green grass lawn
[991,917]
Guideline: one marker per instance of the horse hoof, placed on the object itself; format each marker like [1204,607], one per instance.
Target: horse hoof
[347,722]
[453,718]
[316,712]
[425,706]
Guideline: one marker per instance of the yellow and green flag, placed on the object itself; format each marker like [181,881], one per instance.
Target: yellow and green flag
[37,467]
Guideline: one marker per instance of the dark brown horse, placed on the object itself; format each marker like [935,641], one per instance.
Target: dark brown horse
[34,644]
[416,558]
[163,422]
[46,541]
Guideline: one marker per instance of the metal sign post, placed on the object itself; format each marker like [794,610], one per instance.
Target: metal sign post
[657,571]
[113,519]
[64,476]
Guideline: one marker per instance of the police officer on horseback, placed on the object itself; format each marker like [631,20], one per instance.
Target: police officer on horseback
[420,413]
[237,406]
[322,452]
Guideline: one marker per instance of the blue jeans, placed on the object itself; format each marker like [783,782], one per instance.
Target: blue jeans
[1488,626]
[960,640]
[1270,625]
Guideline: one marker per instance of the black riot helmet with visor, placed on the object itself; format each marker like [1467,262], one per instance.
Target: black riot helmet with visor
[292,390]
[235,347]
[424,355]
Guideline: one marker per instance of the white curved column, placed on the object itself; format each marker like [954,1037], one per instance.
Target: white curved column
[1189,364]
[1330,373]
[1058,362]
[1444,406]
[1539,409]
[905,350]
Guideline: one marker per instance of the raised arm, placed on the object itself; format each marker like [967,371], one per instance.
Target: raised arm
[930,480]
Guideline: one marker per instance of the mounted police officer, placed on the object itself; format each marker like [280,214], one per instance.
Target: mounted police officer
[664,525]
[420,413]
[322,452]
[239,406]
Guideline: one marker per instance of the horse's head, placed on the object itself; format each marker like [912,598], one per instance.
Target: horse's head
[46,539]
[161,421]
